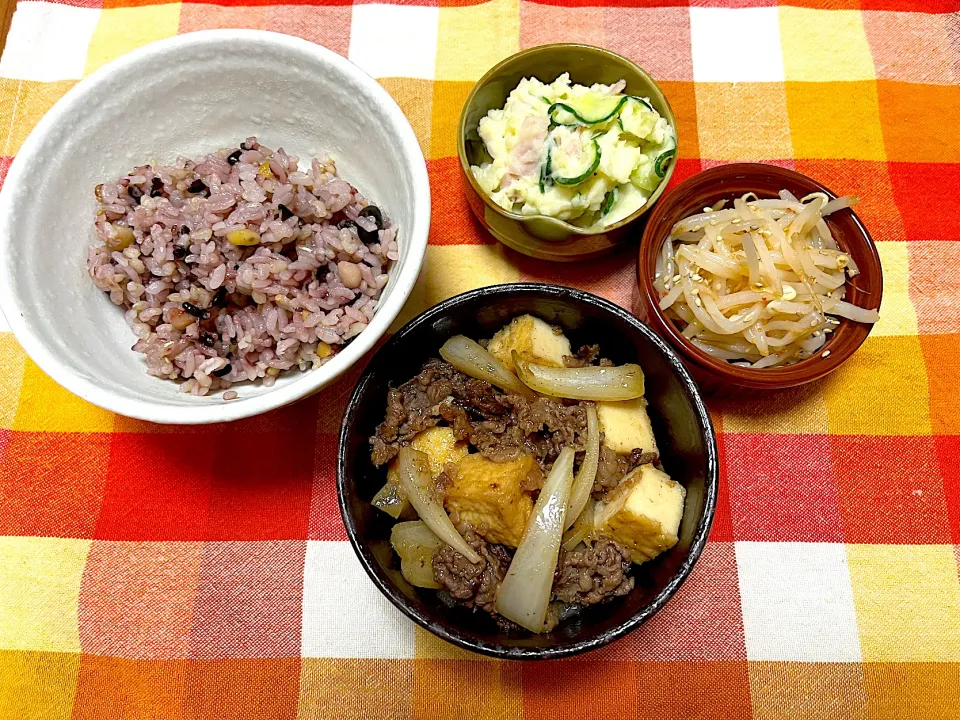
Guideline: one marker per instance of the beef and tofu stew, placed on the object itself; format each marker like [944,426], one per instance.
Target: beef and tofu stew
[524,476]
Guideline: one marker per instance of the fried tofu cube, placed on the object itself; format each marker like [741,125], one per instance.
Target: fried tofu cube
[642,513]
[533,339]
[440,447]
[626,426]
[491,497]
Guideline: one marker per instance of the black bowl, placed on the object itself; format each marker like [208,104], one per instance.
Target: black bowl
[687,442]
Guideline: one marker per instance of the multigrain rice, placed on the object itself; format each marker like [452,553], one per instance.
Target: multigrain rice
[240,265]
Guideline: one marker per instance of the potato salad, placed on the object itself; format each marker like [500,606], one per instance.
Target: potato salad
[589,155]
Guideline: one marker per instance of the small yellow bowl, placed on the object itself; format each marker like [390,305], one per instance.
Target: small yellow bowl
[540,236]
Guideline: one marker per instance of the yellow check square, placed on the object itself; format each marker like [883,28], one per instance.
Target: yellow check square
[39,593]
[22,104]
[881,390]
[908,602]
[452,269]
[824,45]
[807,690]
[829,122]
[793,411]
[39,394]
[897,314]
[448,100]
[121,30]
[467,688]
[474,38]
[430,647]
[12,360]
[912,690]
[37,684]
[724,110]
[415,98]
[379,688]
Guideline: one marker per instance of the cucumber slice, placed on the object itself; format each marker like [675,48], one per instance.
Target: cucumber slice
[545,178]
[660,166]
[643,101]
[609,202]
[577,179]
[588,110]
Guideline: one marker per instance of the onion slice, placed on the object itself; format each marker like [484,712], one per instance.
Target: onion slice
[622,382]
[413,467]
[470,358]
[583,484]
[582,529]
[525,592]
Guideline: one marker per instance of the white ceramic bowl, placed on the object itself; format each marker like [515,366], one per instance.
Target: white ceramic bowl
[187,96]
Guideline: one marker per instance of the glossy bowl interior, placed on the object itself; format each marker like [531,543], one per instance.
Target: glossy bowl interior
[537,235]
[729,182]
[680,421]
[145,107]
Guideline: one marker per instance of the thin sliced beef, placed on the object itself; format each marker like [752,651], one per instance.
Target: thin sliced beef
[499,425]
[586,355]
[542,428]
[613,466]
[589,575]
[416,406]
[410,410]
[473,585]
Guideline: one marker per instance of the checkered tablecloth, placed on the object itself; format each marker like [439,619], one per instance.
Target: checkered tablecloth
[166,572]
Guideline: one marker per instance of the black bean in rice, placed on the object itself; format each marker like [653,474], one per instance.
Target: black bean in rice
[250,248]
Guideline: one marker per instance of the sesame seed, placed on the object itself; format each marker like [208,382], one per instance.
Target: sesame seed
[758,285]
[826,353]
[657,275]
[814,323]
[676,278]
[713,222]
[735,221]
[698,302]
[817,334]
[708,209]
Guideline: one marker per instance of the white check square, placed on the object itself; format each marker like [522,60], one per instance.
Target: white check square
[344,615]
[48,42]
[797,602]
[736,45]
[395,40]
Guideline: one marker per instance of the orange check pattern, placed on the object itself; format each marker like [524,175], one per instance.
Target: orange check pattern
[163,572]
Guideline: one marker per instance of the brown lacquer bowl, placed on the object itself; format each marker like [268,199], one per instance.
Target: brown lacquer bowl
[729,182]
[685,437]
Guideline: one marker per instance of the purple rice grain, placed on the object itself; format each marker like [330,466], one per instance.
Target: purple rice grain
[269,307]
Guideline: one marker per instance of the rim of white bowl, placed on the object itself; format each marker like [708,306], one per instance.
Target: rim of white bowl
[222,411]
